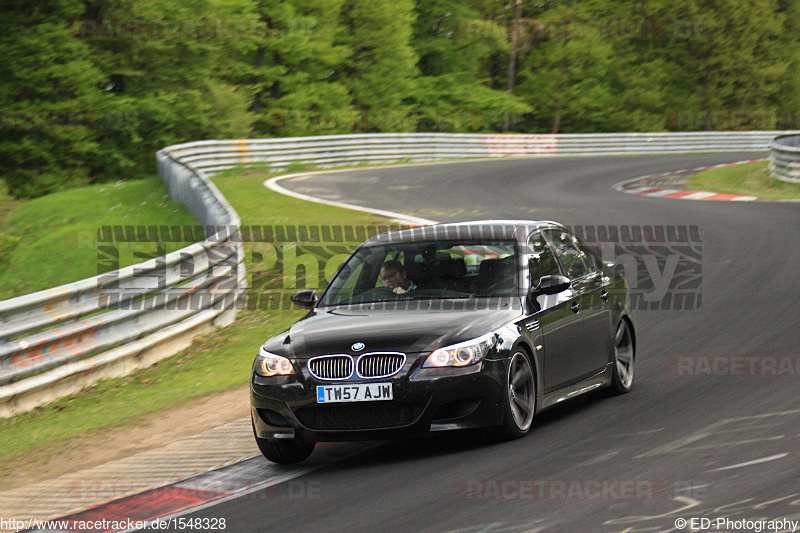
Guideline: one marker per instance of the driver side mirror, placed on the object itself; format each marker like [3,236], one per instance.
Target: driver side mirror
[306,299]
[552,284]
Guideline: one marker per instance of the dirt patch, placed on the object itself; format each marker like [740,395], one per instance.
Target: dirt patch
[156,430]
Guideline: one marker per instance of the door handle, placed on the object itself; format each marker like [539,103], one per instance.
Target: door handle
[604,295]
[575,306]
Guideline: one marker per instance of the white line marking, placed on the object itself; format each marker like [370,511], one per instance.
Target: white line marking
[749,463]
[662,192]
[272,184]
[641,190]
[698,195]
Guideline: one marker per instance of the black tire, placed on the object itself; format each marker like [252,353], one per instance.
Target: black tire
[519,400]
[284,452]
[623,356]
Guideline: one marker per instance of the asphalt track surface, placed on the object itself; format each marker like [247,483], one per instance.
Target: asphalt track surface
[703,446]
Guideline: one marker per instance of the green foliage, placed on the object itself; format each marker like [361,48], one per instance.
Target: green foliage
[180,80]
[298,90]
[92,88]
[381,71]
[46,102]
[456,43]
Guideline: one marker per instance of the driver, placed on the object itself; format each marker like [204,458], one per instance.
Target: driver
[393,276]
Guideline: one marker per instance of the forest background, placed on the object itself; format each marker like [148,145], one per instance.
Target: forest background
[89,90]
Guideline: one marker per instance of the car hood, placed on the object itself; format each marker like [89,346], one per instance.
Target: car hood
[335,329]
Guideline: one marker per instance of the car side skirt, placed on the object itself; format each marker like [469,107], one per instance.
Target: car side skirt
[597,381]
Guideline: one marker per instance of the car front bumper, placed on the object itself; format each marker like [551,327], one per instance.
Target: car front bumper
[424,400]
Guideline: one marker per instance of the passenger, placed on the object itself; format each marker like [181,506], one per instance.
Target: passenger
[393,276]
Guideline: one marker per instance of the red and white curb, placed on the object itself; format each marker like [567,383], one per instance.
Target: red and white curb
[643,186]
[162,507]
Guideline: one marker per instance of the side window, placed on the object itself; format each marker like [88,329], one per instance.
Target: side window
[573,260]
[542,262]
[589,255]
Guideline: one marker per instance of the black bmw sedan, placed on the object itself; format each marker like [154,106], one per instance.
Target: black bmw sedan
[452,326]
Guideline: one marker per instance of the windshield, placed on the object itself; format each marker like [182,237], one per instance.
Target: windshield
[425,270]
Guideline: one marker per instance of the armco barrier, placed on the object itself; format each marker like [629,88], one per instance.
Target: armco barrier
[335,150]
[784,158]
[55,342]
[63,339]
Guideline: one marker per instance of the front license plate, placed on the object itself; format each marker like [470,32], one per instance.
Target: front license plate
[357,392]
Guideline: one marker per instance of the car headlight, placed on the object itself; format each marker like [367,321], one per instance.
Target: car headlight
[270,364]
[461,354]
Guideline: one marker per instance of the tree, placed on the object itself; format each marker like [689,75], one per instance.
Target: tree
[49,100]
[572,74]
[380,72]
[175,71]
[734,60]
[298,86]
[456,41]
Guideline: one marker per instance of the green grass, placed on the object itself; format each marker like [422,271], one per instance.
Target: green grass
[50,241]
[751,179]
[215,363]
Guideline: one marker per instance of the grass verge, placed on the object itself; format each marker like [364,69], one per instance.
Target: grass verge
[217,362]
[50,241]
[750,179]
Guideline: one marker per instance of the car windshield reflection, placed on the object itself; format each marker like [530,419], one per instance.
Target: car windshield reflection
[427,270]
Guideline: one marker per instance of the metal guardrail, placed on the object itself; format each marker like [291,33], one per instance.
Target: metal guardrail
[336,150]
[62,339]
[784,158]
[56,341]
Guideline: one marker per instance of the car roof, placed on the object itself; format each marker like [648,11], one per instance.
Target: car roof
[482,229]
